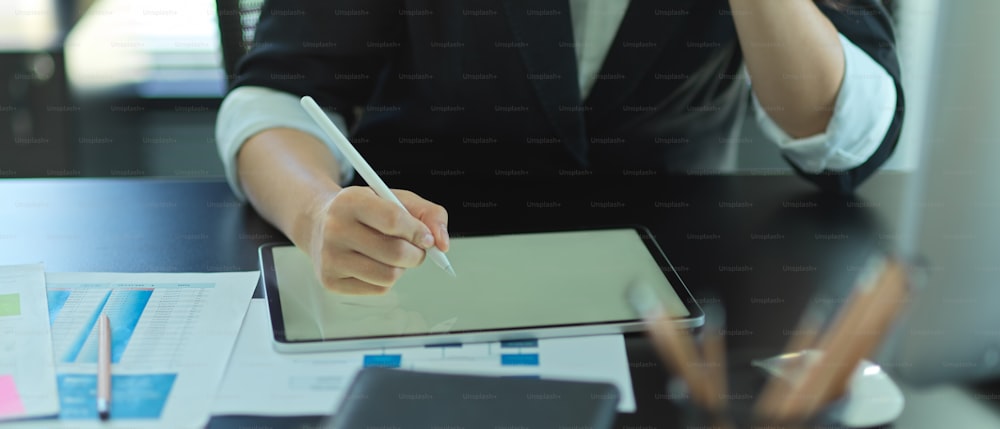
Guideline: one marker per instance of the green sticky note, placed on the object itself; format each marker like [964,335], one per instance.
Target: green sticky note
[10,304]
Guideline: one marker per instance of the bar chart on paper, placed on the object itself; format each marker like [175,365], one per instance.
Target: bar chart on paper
[123,307]
[171,337]
[149,324]
[518,358]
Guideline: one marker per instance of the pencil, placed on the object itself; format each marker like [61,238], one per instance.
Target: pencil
[714,350]
[674,346]
[857,331]
[104,367]
[886,302]
[365,170]
[803,337]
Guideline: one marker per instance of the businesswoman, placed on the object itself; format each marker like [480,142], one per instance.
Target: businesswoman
[540,87]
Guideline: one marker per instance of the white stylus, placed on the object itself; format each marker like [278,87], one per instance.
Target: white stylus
[365,170]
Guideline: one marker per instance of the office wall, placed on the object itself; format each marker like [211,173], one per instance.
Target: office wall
[916,34]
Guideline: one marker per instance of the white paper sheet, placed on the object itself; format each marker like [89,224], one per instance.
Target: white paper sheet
[171,335]
[27,370]
[261,381]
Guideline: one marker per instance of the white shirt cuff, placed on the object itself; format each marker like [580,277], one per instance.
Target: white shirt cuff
[248,110]
[861,118]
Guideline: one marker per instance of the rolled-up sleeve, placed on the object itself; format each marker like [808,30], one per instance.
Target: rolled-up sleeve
[862,115]
[248,110]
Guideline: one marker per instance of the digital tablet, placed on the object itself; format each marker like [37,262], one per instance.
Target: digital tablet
[509,287]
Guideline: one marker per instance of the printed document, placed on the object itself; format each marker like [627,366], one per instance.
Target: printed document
[261,381]
[27,370]
[171,337]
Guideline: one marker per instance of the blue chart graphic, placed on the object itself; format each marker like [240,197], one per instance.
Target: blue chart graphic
[520,355]
[383,361]
[124,307]
[519,344]
[520,358]
[525,359]
[57,299]
[132,396]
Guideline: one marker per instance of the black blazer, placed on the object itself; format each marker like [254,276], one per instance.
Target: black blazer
[489,87]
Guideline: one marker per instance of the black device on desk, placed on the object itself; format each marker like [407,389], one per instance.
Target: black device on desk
[381,397]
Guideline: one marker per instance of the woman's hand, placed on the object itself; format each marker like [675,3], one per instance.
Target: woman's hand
[358,242]
[362,244]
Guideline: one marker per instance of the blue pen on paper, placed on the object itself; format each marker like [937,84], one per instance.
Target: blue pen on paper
[365,170]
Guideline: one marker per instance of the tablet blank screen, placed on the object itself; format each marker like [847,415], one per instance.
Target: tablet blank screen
[504,282]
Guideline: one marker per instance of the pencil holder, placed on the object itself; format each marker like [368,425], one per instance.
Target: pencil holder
[744,384]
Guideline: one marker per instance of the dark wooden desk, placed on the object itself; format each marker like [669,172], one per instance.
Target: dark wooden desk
[764,246]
